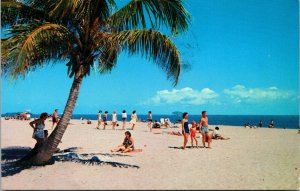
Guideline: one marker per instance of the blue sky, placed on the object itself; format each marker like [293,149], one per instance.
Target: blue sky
[244,58]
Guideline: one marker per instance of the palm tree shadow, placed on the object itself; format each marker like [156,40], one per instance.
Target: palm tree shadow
[11,163]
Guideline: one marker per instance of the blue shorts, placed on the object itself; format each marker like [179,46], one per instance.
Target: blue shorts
[123,119]
[204,129]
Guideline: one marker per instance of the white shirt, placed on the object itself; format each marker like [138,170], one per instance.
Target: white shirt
[114,117]
[124,115]
[216,132]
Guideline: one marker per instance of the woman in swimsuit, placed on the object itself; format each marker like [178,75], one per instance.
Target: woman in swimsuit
[127,145]
[38,126]
[105,119]
[99,119]
[134,119]
[193,133]
[185,129]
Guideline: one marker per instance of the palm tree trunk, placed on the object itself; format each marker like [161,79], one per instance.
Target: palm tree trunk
[43,154]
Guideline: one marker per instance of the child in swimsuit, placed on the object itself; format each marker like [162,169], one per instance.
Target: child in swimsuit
[193,133]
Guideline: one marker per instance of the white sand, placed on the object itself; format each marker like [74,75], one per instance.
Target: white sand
[251,159]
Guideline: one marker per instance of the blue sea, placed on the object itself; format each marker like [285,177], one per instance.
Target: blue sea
[280,121]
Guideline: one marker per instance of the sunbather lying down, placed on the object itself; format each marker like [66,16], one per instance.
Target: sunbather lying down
[175,133]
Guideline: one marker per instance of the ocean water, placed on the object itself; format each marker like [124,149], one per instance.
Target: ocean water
[280,121]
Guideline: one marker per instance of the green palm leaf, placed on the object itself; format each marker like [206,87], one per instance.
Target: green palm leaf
[171,13]
[13,12]
[31,45]
[152,44]
[85,12]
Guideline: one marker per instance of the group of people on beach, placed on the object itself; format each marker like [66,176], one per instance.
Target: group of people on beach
[203,125]
[207,136]
[260,125]
[114,120]
[40,134]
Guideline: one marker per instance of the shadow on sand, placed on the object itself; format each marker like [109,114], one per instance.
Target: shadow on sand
[11,164]
[188,147]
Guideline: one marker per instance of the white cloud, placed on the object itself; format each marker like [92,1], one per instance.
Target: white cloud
[240,93]
[184,96]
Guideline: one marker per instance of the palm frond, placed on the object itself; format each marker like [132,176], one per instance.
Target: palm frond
[170,13]
[108,54]
[83,11]
[153,45]
[13,12]
[31,45]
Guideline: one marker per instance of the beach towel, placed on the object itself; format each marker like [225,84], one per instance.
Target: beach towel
[136,151]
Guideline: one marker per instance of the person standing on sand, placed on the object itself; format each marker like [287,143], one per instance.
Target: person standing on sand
[38,126]
[99,118]
[114,120]
[193,134]
[271,124]
[260,124]
[149,120]
[54,117]
[105,119]
[134,119]
[185,129]
[204,130]
[124,117]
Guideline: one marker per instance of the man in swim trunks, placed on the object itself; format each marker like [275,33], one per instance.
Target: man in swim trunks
[150,120]
[54,118]
[204,129]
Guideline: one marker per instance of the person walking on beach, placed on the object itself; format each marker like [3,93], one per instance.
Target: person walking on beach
[114,120]
[204,130]
[124,117]
[133,120]
[38,126]
[185,129]
[99,118]
[193,134]
[260,124]
[105,119]
[150,120]
[54,117]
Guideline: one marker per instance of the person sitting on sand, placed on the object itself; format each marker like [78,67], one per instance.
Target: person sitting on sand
[217,135]
[193,130]
[38,126]
[156,124]
[127,145]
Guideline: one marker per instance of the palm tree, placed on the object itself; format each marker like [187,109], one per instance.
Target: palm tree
[81,32]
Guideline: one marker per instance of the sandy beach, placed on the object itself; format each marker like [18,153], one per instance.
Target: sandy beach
[251,159]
